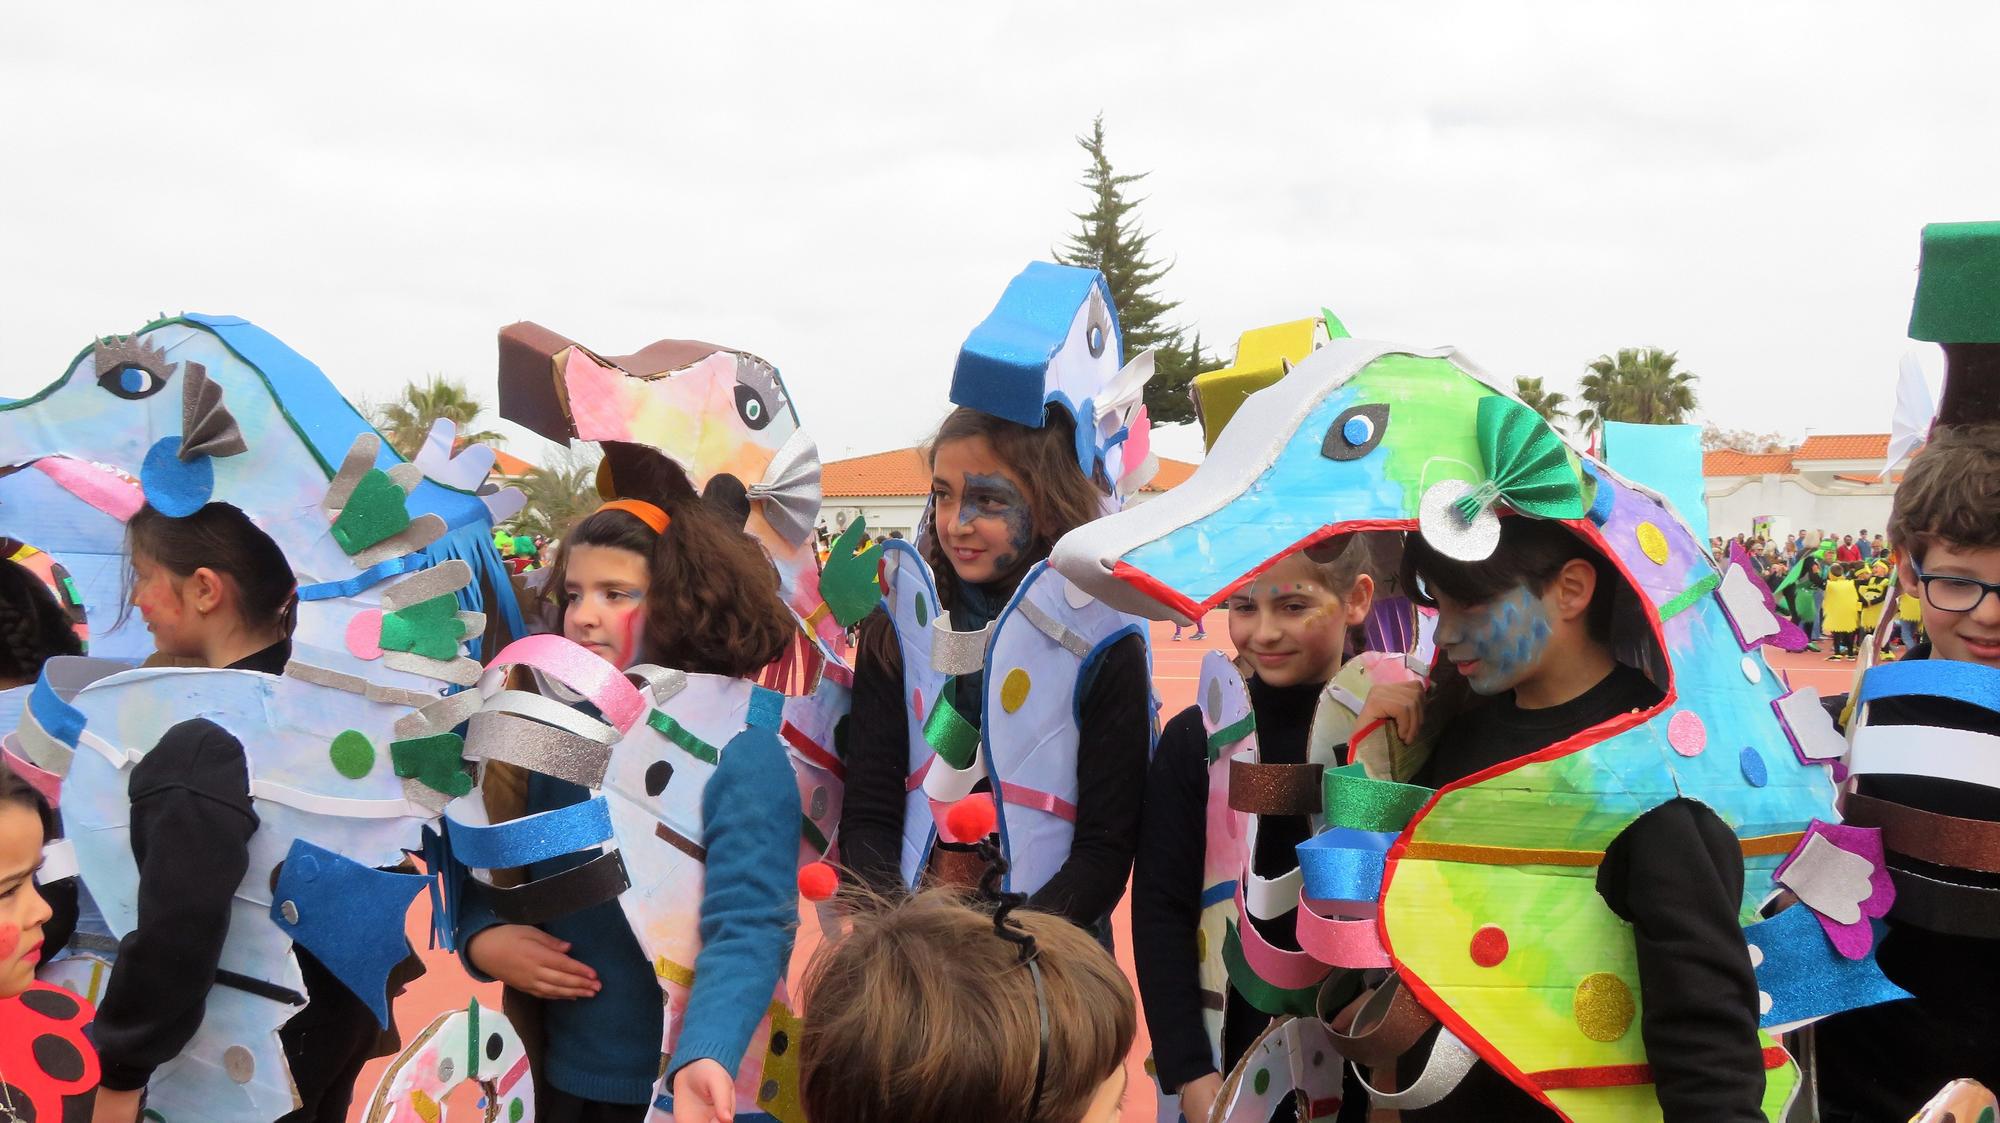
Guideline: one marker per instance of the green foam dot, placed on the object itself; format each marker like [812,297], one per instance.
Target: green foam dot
[515,1111]
[353,754]
[1262,1081]
[923,612]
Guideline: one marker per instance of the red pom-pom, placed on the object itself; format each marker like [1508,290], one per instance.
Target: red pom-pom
[818,881]
[970,819]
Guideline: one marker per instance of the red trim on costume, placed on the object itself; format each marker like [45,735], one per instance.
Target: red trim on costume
[1617,1076]
[796,738]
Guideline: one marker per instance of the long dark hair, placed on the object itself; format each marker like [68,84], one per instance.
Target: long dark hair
[222,538]
[1060,497]
[33,627]
[712,603]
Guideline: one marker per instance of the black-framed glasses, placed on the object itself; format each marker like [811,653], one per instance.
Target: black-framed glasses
[1956,594]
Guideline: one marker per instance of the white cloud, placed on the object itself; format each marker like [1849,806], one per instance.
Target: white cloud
[846,189]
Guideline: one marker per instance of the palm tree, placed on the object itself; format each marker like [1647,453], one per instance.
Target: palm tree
[1553,405]
[1640,385]
[406,421]
[559,493]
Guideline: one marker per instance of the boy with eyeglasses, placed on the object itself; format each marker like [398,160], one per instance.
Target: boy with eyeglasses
[1941,833]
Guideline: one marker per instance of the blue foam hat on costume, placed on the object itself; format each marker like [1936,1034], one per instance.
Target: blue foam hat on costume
[1054,338]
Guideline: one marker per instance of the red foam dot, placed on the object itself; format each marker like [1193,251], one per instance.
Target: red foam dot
[818,881]
[1489,946]
[970,819]
[917,703]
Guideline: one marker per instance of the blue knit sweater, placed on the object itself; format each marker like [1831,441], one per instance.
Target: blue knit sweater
[606,1048]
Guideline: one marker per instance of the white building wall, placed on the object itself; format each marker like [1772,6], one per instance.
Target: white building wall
[1734,501]
[894,512]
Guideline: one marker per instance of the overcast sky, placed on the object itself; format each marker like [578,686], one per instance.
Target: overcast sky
[844,189]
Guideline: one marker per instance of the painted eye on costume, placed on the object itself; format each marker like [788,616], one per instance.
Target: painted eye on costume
[1355,433]
[132,381]
[751,407]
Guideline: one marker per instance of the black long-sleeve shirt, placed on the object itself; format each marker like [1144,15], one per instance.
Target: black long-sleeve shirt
[1167,880]
[1676,875]
[191,828]
[1115,734]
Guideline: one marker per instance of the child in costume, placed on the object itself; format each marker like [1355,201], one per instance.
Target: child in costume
[47,1067]
[214,591]
[1923,729]
[1843,611]
[669,582]
[1525,638]
[890,1005]
[1290,627]
[1873,585]
[985,669]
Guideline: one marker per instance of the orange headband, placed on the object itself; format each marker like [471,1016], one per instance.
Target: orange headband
[645,512]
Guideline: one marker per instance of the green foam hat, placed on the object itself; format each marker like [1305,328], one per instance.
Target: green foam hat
[1958,284]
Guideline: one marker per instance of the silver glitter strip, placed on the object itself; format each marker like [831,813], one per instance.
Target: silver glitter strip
[447,577]
[537,747]
[957,653]
[1049,626]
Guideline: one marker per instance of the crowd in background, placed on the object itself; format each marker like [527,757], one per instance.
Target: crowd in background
[1836,589]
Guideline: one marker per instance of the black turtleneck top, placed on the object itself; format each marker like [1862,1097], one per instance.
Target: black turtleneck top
[1167,879]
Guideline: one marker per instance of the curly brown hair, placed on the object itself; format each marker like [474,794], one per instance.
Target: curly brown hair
[1951,493]
[1060,497]
[712,603]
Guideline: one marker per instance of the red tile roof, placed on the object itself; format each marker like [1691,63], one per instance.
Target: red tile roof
[1844,446]
[901,471]
[509,465]
[1729,462]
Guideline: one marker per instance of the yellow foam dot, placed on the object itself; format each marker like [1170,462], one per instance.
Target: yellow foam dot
[1603,1006]
[1200,944]
[1014,689]
[1652,542]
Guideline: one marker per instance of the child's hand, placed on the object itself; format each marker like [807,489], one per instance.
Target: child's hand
[704,1093]
[1198,1097]
[1399,703]
[116,1107]
[532,961]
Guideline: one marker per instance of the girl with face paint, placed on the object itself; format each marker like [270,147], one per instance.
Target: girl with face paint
[1525,663]
[1290,626]
[1002,493]
[664,580]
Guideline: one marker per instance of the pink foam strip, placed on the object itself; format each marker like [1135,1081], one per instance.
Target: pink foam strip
[1039,801]
[1343,943]
[1288,970]
[103,490]
[607,688]
[47,783]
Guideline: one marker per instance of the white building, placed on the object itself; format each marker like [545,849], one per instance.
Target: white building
[890,488]
[1827,483]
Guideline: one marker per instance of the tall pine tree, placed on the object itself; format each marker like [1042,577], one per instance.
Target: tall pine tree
[1112,242]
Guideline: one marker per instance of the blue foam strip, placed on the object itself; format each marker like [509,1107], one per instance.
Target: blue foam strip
[366,579]
[1344,864]
[665,1102]
[1219,892]
[767,708]
[532,838]
[1934,678]
[1603,498]
[1806,978]
[349,916]
[57,718]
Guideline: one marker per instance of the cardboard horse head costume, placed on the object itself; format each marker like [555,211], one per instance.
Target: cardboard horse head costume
[722,415]
[349,752]
[1454,889]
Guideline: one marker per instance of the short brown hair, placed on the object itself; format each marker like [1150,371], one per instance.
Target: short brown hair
[1951,493]
[712,600]
[1060,497]
[922,1014]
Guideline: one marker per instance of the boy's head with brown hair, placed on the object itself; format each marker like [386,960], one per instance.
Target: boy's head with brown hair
[921,1013]
[1946,526]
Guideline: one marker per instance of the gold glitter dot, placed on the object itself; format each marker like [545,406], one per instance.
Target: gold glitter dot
[1014,689]
[1604,1007]
[1652,542]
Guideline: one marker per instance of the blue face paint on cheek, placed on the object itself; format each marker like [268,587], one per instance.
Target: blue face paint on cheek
[1508,640]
